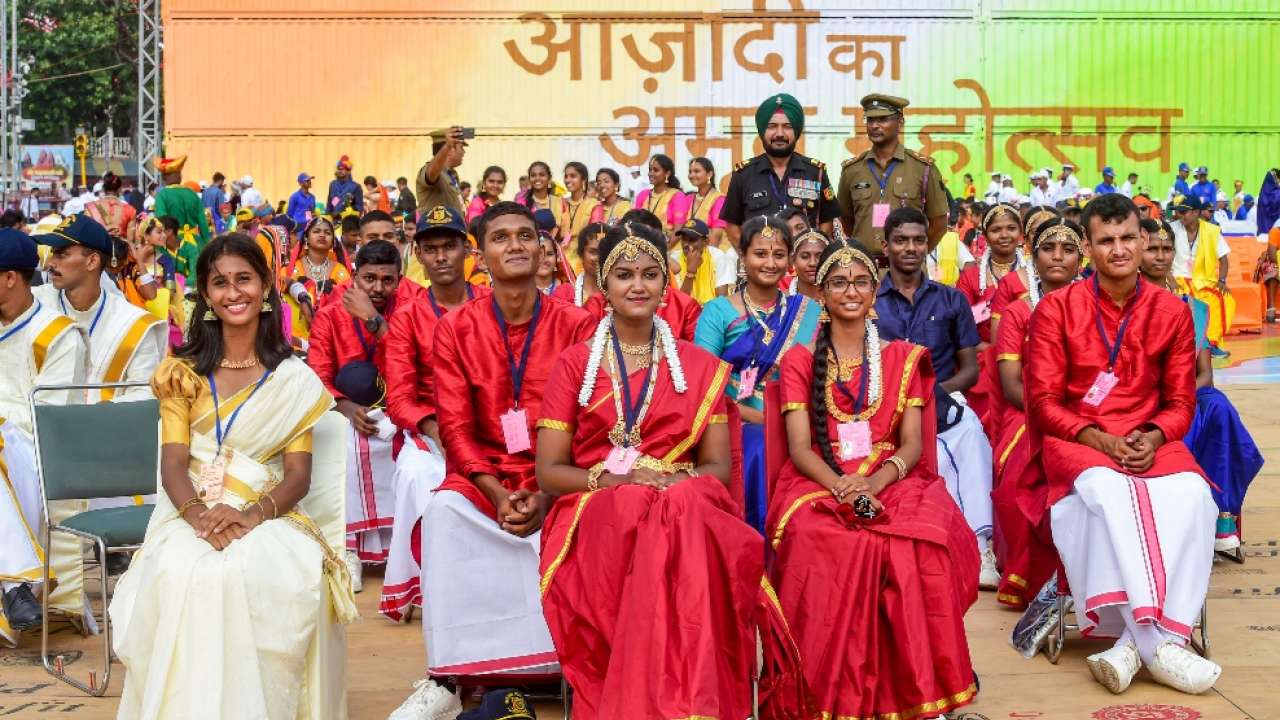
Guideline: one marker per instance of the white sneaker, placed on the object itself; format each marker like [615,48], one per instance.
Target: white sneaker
[1228,544]
[1181,669]
[429,701]
[354,568]
[1114,668]
[988,575]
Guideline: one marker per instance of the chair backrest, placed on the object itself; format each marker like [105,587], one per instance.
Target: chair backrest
[97,451]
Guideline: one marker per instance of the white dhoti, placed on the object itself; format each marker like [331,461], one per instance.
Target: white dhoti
[21,534]
[481,608]
[964,462]
[1136,546]
[418,472]
[371,494]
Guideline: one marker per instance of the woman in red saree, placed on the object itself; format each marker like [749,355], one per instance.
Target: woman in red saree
[1027,556]
[651,581]
[874,564]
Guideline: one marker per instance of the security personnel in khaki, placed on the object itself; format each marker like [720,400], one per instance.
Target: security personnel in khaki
[779,178]
[887,177]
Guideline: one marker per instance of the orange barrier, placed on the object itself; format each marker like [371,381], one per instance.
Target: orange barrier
[1251,303]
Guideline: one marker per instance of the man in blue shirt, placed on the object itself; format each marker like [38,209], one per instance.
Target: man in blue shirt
[302,204]
[343,191]
[1180,186]
[1108,184]
[914,308]
[213,196]
[1203,189]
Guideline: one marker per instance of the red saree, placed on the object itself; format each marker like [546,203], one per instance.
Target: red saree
[652,597]
[877,607]
[1024,546]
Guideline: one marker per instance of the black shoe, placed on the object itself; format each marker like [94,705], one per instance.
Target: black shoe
[117,563]
[22,609]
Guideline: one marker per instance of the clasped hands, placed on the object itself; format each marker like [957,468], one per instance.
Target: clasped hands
[848,487]
[221,524]
[1135,452]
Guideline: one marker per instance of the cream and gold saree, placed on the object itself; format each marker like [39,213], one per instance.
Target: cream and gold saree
[254,630]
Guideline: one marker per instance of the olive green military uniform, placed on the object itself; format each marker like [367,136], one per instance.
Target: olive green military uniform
[909,180]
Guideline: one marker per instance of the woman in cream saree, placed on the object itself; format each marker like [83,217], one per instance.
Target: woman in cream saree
[229,608]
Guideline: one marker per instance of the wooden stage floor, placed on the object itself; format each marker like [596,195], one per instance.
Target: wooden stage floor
[1244,625]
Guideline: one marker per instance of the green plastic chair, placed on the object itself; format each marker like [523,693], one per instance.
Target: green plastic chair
[85,452]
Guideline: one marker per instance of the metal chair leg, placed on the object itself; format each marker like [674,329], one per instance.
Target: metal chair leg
[1058,636]
[56,668]
[566,702]
[1202,647]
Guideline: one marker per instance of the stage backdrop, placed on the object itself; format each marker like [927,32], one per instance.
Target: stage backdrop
[995,85]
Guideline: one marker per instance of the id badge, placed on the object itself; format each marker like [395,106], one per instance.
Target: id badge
[515,431]
[1102,387]
[621,460]
[855,439]
[747,383]
[981,312]
[879,213]
[210,480]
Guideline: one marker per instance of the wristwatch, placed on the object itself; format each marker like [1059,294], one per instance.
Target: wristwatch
[374,324]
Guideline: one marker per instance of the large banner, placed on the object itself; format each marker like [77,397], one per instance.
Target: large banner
[999,86]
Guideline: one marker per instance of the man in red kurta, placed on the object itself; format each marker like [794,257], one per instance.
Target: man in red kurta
[480,533]
[1130,510]
[347,352]
[441,247]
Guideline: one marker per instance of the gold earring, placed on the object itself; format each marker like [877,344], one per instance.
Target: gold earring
[266,306]
[209,316]
[823,317]
[873,314]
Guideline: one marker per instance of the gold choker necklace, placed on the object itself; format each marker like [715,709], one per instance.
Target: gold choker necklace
[238,364]
[629,349]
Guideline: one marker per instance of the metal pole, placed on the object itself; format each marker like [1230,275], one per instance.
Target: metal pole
[15,123]
[4,94]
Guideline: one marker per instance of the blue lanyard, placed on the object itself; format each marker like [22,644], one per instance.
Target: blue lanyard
[14,330]
[369,350]
[1113,351]
[435,306]
[219,433]
[517,372]
[882,181]
[776,189]
[860,402]
[96,316]
[631,413]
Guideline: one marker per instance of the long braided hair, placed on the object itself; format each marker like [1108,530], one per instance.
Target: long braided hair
[818,395]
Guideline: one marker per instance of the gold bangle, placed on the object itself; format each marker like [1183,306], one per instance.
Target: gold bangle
[900,464]
[593,477]
[195,500]
[275,509]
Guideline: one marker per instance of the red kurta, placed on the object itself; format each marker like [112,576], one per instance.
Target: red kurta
[1156,369]
[651,597]
[409,367]
[336,336]
[1024,548]
[473,389]
[877,607]
[679,309]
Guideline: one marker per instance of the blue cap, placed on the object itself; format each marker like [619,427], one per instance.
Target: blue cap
[361,383]
[78,229]
[303,177]
[1189,202]
[1248,198]
[440,220]
[1183,167]
[696,228]
[17,251]
[1108,171]
[1202,170]
[505,704]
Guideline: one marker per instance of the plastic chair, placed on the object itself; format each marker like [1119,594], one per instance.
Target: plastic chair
[1058,636]
[85,452]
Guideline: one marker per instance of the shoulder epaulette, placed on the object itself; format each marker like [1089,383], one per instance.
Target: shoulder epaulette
[854,159]
[745,163]
[921,158]
[821,165]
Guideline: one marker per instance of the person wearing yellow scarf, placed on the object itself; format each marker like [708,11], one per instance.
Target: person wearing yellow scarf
[697,266]
[1202,272]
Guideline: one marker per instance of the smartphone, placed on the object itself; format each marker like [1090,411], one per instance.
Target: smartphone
[468,133]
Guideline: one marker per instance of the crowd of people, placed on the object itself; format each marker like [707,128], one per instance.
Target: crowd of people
[625,434]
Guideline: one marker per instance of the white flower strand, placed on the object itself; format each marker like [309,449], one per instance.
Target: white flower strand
[872,356]
[1018,261]
[598,342]
[1033,286]
[673,357]
[577,290]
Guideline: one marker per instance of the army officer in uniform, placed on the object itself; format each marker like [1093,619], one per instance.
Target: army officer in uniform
[781,177]
[887,177]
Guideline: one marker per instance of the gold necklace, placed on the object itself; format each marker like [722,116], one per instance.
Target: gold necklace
[629,349]
[1002,267]
[238,364]
[755,311]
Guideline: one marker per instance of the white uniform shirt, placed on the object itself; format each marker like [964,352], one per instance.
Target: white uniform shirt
[1127,189]
[1042,197]
[64,363]
[1183,258]
[1068,188]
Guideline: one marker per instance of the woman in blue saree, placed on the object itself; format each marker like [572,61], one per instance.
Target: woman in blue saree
[752,329]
